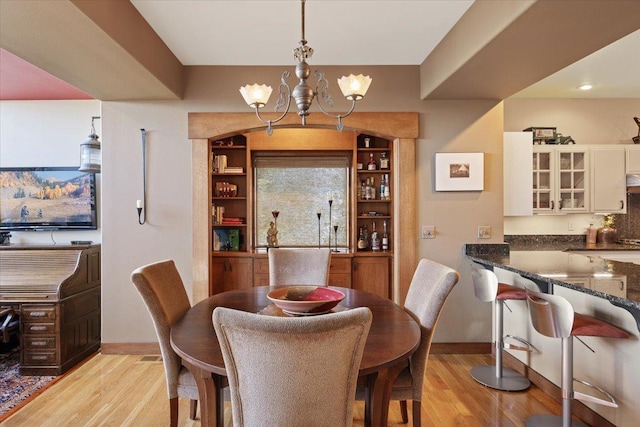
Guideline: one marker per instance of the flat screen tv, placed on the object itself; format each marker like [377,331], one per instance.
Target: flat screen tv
[47,198]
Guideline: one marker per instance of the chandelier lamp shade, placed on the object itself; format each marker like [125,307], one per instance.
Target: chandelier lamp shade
[90,159]
[354,88]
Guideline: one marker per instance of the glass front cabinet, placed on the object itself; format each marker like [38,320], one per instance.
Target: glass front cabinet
[560,179]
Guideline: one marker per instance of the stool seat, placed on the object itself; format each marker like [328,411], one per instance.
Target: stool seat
[588,326]
[507,292]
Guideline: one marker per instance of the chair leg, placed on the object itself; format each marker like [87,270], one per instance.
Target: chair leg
[403,411]
[416,409]
[173,411]
[193,407]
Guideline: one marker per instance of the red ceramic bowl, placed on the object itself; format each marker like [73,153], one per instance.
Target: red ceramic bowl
[305,300]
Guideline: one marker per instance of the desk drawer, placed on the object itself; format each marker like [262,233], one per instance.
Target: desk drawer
[39,328]
[38,312]
[38,357]
[39,343]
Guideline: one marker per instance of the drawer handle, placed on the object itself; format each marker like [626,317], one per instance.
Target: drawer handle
[37,314]
[38,328]
[39,357]
[38,343]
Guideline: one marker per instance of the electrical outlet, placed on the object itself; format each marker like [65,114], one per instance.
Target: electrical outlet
[428,232]
[570,226]
[484,232]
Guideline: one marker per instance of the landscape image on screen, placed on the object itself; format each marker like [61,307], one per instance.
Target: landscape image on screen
[46,197]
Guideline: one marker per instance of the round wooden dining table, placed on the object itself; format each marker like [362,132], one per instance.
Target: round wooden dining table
[394,335]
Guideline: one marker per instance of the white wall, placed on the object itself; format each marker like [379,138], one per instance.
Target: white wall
[48,133]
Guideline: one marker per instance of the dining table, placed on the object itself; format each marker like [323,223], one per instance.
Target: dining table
[394,335]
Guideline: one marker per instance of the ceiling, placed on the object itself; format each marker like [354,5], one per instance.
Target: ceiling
[355,32]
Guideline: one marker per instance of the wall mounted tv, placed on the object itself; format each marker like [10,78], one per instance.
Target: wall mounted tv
[47,198]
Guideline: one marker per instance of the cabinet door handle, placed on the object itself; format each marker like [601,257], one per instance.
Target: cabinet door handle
[621,204]
[552,205]
[230,266]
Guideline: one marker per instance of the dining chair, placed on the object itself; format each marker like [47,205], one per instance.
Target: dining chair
[162,290]
[430,286]
[292,371]
[299,266]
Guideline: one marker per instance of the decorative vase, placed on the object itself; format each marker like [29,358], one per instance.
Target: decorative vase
[607,235]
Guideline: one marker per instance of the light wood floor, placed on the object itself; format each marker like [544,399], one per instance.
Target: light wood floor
[113,390]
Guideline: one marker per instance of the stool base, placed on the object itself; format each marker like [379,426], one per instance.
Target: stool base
[550,421]
[510,380]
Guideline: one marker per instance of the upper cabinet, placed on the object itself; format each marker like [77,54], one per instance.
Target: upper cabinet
[608,180]
[566,178]
[560,179]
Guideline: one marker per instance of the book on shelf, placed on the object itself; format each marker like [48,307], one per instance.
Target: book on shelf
[234,239]
[220,239]
[219,163]
[218,214]
[233,169]
[233,220]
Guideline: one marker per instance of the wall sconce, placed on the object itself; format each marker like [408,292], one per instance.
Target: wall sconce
[90,151]
[142,204]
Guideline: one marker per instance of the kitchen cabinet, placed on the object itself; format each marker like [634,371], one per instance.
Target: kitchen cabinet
[560,179]
[229,273]
[371,274]
[633,159]
[517,155]
[608,180]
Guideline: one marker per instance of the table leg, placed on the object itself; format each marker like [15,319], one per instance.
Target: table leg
[207,392]
[379,394]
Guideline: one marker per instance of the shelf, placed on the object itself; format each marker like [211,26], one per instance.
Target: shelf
[229,174]
[377,171]
[375,150]
[229,225]
[228,198]
[374,201]
[374,216]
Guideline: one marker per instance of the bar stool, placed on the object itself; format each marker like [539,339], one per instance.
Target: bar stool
[488,289]
[553,316]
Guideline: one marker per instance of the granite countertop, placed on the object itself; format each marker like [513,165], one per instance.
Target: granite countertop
[569,266]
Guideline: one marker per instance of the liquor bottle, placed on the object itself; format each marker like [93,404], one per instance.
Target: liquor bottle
[372,189]
[384,160]
[366,191]
[367,142]
[372,163]
[359,164]
[385,237]
[383,186]
[375,239]
[366,237]
[387,188]
[362,242]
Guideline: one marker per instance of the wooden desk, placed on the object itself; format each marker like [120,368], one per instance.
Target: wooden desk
[393,337]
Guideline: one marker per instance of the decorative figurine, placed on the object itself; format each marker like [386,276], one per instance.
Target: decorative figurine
[272,235]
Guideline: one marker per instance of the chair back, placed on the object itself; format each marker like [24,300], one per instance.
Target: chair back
[485,283]
[162,290]
[550,315]
[299,266]
[292,371]
[429,289]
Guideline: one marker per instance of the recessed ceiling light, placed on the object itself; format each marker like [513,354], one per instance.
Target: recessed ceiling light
[586,86]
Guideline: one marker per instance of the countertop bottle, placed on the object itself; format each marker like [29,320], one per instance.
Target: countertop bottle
[592,232]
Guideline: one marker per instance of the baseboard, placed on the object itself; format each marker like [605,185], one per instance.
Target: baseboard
[460,348]
[143,348]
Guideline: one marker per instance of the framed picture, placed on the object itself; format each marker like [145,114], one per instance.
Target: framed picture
[459,171]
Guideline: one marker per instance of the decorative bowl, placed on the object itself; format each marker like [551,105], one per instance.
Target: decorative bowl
[305,300]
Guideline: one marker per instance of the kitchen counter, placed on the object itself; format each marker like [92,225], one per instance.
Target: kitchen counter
[571,267]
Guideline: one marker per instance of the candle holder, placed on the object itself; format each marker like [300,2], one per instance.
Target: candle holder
[330,203]
[319,215]
[335,230]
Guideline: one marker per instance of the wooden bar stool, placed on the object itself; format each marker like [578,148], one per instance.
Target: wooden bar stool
[488,289]
[553,316]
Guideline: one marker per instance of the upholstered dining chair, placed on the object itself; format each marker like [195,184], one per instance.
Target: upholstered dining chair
[292,371]
[162,290]
[430,286]
[299,266]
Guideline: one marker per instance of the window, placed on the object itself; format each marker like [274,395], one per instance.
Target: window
[298,187]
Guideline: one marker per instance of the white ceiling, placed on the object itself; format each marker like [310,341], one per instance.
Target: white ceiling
[359,32]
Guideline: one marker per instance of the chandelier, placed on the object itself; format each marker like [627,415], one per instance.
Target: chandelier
[353,88]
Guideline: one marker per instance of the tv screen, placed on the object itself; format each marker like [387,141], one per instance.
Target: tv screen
[47,198]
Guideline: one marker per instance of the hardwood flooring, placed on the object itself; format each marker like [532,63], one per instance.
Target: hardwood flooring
[114,390]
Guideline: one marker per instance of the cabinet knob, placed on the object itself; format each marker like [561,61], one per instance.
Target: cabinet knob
[552,205]
[621,204]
